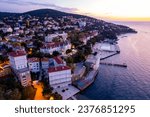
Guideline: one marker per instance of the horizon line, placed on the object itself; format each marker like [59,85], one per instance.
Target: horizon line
[109,18]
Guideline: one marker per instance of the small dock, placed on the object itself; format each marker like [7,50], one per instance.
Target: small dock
[114,64]
[107,55]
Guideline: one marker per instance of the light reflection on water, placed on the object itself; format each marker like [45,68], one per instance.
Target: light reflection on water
[125,83]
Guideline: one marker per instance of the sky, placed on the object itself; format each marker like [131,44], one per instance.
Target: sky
[118,10]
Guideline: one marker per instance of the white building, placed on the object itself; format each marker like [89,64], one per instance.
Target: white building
[50,37]
[82,24]
[94,60]
[59,76]
[18,62]
[34,64]
[7,30]
[55,46]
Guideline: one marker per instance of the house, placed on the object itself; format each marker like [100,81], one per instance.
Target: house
[18,63]
[34,64]
[82,24]
[7,29]
[50,37]
[59,76]
[56,61]
[55,46]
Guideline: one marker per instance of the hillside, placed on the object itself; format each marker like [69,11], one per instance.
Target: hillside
[41,13]
[50,13]
[118,29]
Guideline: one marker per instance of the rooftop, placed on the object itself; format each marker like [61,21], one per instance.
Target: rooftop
[52,45]
[59,68]
[45,59]
[34,59]
[58,60]
[17,53]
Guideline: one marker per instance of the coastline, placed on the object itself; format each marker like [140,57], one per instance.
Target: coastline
[125,35]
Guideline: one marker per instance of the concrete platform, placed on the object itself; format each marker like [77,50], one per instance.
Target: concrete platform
[67,93]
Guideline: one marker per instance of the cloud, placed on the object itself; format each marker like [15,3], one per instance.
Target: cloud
[17,2]
[53,6]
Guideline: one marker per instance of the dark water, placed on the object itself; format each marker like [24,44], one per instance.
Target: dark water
[132,83]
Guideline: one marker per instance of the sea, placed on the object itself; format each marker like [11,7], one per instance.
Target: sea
[131,83]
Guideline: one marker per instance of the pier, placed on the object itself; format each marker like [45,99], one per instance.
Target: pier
[114,64]
[108,55]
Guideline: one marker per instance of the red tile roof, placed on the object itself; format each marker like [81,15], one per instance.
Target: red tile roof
[45,59]
[33,59]
[52,45]
[58,60]
[59,68]
[17,53]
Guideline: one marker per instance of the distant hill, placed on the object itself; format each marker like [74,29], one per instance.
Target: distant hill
[51,13]
[5,14]
[41,13]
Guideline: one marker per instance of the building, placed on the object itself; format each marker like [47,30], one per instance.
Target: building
[24,76]
[18,60]
[55,46]
[45,63]
[7,30]
[34,64]
[50,37]
[18,63]
[59,76]
[56,61]
[82,24]
[93,60]
[63,35]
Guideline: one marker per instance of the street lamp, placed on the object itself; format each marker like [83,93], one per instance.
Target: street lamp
[51,98]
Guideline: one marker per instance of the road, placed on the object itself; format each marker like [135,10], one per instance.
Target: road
[38,95]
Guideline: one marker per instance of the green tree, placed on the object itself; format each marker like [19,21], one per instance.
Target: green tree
[56,53]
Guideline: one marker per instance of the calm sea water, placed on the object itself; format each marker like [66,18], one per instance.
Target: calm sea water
[131,83]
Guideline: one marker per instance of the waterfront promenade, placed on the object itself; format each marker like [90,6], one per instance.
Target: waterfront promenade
[67,92]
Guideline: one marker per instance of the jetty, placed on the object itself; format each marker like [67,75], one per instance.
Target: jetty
[114,64]
[107,55]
